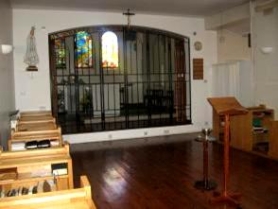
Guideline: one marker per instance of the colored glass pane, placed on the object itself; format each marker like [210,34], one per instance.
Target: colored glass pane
[110,55]
[60,53]
[83,49]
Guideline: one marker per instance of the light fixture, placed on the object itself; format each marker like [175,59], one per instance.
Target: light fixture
[6,49]
[266,50]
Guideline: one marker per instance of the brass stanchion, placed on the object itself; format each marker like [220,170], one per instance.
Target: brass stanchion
[205,184]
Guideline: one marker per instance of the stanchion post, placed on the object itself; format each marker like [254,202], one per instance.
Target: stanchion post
[205,184]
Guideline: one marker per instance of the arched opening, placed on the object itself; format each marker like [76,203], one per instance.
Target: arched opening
[109,47]
[114,77]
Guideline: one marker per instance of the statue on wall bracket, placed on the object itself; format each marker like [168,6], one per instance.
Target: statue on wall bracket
[31,56]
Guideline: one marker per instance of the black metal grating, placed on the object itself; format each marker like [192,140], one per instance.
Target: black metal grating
[150,88]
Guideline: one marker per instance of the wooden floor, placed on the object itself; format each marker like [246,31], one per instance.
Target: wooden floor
[161,176]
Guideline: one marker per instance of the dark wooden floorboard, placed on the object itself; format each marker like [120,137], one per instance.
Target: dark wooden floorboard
[161,176]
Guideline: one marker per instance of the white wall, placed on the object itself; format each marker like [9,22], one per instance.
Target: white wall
[6,71]
[232,46]
[265,33]
[33,89]
[232,16]
[234,79]
[232,25]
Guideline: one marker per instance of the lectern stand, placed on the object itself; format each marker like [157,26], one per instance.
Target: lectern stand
[227,107]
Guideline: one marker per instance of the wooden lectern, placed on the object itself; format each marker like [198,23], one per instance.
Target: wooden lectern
[227,106]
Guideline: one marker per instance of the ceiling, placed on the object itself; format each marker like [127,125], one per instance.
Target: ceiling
[199,8]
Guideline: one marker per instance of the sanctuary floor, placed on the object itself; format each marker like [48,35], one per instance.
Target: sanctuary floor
[159,173]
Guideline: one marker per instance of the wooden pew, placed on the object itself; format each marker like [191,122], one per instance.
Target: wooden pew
[36,117]
[37,126]
[78,198]
[32,167]
[54,135]
[36,113]
[34,126]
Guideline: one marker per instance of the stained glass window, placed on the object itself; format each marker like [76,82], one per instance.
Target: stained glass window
[60,53]
[109,43]
[83,49]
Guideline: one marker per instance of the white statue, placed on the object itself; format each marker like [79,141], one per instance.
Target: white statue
[31,57]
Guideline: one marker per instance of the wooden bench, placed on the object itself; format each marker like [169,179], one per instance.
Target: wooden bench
[30,167]
[27,167]
[36,113]
[34,126]
[36,117]
[78,198]
[54,135]
[37,126]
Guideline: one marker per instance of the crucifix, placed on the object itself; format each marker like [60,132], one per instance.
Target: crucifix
[128,14]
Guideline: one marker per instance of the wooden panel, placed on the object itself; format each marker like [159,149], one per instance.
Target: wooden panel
[36,117]
[227,105]
[17,135]
[241,132]
[35,113]
[273,141]
[36,126]
[62,183]
[198,68]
